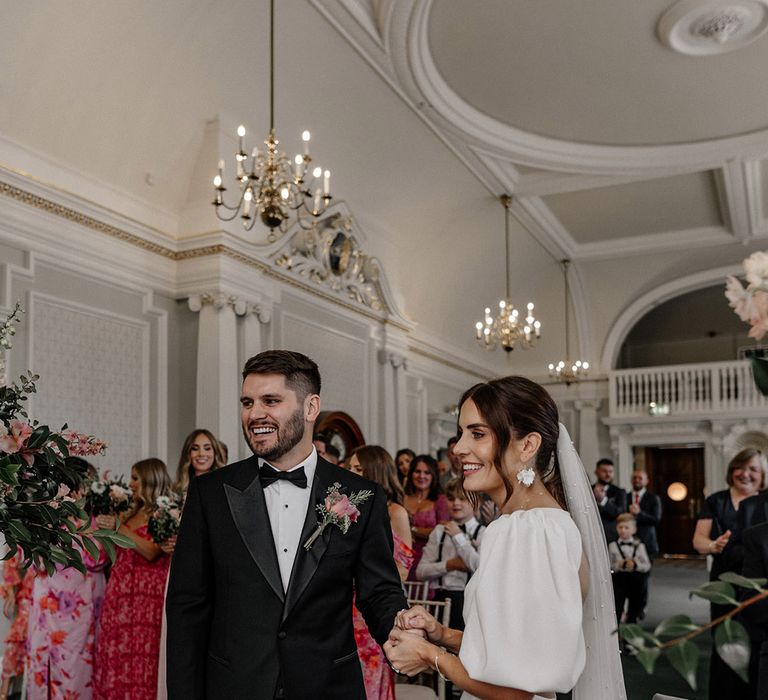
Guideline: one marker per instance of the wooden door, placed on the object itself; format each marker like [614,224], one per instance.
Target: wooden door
[676,465]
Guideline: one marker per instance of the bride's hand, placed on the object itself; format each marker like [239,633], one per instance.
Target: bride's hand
[408,653]
[417,618]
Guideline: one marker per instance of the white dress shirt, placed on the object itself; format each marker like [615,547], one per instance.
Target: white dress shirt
[287,507]
[432,569]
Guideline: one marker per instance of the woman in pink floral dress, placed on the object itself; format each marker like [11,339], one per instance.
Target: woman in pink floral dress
[128,637]
[17,594]
[62,631]
[376,464]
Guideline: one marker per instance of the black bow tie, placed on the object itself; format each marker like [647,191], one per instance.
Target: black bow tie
[268,475]
[626,542]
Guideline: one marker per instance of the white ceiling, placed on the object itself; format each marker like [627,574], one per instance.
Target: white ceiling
[643,165]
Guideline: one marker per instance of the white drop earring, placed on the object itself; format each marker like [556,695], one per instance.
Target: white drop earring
[526,475]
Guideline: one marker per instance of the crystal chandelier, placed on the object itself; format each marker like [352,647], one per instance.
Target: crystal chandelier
[272,187]
[567,370]
[509,327]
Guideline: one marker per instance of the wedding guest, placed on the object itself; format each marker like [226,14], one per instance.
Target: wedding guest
[423,500]
[376,464]
[611,500]
[201,453]
[719,518]
[524,606]
[62,628]
[16,592]
[630,566]
[454,465]
[403,459]
[128,637]
[451,555]
[646,507]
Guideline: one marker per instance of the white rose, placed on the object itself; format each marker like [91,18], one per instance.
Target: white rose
[98,487]
[756,266]
[163,501]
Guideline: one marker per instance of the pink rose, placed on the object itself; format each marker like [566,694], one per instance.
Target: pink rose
[343,507]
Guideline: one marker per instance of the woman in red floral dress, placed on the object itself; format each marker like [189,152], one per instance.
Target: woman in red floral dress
[376,464]
[128,638]
[16,590]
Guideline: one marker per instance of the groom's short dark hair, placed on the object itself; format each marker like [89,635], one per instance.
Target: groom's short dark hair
[300,372]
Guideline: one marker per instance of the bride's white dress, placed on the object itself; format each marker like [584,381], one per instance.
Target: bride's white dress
[523,608]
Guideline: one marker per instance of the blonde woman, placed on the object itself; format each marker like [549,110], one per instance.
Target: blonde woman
[128,638]
[201,453]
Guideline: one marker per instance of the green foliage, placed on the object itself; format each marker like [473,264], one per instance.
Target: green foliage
[731,639]
[41,512]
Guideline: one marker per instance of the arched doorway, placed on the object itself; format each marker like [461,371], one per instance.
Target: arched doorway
[341,430]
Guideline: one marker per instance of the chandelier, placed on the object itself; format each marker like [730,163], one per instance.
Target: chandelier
[272,187]
[509,327]
[567,370]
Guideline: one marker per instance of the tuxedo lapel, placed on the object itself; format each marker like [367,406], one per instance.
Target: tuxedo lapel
[306,562]
[249,511]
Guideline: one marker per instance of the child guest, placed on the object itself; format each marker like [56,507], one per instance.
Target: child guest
[630,565]
[450,555]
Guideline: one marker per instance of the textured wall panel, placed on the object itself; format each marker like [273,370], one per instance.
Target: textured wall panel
[93,377]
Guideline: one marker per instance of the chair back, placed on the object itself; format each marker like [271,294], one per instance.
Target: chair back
[441,611]
[416,590]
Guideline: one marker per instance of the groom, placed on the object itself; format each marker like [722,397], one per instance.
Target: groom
[252,612]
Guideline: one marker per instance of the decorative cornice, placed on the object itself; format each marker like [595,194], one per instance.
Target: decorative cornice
[50,207]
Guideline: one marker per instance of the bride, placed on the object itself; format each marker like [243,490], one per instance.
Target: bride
[538,612]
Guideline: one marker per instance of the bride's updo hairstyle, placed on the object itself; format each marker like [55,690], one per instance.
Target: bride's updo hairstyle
[513,407]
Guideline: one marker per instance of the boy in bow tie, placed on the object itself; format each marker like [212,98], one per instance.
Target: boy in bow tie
[630,565]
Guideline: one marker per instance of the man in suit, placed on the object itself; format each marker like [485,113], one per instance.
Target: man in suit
[646,507]
[254,610]
[611,500]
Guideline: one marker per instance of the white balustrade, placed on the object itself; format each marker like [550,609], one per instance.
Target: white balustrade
[692,389]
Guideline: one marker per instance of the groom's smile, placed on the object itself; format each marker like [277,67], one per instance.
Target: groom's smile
[273,418]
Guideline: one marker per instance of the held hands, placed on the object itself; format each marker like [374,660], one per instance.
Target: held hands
[629,565]
[718,545]
[634,509]
[452,528]
[599,491]
[407,650]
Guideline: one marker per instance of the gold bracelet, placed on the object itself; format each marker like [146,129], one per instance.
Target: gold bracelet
[437,667]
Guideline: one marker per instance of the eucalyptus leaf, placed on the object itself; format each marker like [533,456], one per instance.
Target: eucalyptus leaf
[717,592]
[743,581]
[684,658]
[648,658]
[675,626]
[733,645]
[92,548]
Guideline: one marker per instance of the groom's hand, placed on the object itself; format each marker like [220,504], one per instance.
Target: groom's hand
[417,619]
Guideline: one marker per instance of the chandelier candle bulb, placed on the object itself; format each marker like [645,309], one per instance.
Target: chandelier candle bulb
[305,136]
[327,183]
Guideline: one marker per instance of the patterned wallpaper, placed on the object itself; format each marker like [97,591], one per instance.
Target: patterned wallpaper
[92,376]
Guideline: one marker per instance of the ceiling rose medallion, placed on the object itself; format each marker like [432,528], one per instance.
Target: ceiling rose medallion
[707,27]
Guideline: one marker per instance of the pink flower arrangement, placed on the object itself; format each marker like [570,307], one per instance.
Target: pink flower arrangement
[81,445]
[15,441]
[338,509]
[751,302]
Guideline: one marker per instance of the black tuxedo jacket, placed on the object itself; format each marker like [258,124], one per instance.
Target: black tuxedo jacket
[615,506]
[647,519]
[234,633]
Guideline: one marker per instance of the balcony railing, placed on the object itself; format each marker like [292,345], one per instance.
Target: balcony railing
[705,389]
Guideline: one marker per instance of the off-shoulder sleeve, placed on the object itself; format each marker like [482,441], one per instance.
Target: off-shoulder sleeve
[523,613]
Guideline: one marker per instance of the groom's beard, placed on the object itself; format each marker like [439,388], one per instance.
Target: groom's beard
[288,436]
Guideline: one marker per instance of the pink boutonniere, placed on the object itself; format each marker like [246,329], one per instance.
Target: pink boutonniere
[337,509]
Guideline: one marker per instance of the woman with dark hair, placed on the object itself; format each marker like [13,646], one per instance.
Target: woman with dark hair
[128,637]
[403,459]
[376,464]
[424,502]
[746,476]
[527,625]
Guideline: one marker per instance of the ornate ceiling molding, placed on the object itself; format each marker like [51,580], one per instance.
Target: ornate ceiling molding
[361,288]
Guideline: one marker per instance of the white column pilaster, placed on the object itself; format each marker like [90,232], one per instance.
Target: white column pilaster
[589,439]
